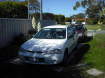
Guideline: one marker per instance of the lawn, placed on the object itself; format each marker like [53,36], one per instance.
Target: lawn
[95,27]
[96,55]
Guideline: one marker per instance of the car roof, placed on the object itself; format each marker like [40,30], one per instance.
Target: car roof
[56,26]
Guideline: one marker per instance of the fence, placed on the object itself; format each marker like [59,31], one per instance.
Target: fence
[12,27]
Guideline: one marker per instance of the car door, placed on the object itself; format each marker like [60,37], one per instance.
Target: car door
[74,38]
[70,39]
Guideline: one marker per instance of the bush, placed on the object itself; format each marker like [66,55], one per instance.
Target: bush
[92,21]
[18,40]
[33,31]
[10,9]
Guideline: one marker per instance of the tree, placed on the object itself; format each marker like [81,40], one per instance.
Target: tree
[94,8]
[60,19]
[78,17]
[12,10]
[48,16]
[88,3]
[68,19]
[32,1]
[33,4]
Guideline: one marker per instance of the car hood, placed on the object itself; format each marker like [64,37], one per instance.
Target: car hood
[43,44]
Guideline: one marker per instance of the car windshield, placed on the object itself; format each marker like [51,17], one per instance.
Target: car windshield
[51,33]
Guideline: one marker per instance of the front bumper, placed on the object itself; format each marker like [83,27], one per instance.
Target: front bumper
[41,58]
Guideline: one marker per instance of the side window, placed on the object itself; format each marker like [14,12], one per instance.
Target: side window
[73,30]
[70,32]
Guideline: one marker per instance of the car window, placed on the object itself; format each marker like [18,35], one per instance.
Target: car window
[79,27]
[70,31]
[51,33]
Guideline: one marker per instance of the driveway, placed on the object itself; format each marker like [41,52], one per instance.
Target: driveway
[37,71]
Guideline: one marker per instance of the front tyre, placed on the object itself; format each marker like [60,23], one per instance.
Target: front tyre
[65,58]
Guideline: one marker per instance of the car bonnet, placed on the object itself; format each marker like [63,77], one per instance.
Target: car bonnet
[43,44]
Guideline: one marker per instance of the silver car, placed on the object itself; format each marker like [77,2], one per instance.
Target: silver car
[51,45]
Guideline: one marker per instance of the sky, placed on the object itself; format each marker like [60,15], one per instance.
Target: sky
[64,7]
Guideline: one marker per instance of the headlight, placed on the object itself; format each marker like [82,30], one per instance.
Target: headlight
[55,51]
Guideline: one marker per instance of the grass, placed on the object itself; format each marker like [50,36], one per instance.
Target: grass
[96,54]
[95,27]
[103,27]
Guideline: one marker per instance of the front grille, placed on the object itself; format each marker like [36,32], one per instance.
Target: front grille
[31,59]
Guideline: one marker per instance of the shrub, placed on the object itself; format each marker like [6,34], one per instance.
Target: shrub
[92,21]
[18,40]
[33,31]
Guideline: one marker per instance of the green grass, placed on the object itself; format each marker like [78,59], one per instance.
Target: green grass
[96,54]
[95,27]
[103,27]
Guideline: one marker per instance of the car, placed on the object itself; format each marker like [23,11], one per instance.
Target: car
[50,46]
[81,30]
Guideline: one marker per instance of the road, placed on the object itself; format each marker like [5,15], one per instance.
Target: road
[37,71]
[93,32]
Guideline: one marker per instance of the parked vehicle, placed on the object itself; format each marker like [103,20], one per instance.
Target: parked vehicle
[81,30]
[51,45]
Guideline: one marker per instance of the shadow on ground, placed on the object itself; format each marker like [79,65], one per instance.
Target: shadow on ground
[86,39]
[36,71]
[11,50]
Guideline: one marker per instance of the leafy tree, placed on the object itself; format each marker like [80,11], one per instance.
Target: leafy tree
[32,1]
[68,19]
[78,17]
[48,16]
[94,8]
[88,3]
[12,10]
[60,19]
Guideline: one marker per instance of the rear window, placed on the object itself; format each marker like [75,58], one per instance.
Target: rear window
[79,27]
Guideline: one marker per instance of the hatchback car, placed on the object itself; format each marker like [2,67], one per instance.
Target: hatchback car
[51,45]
